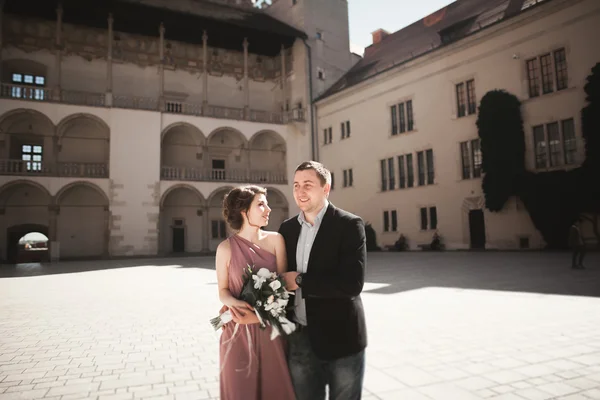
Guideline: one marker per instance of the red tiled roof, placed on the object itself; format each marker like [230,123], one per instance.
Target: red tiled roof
[451,23]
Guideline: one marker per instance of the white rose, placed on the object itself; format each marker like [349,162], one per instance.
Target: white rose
[264,273]
[275,285]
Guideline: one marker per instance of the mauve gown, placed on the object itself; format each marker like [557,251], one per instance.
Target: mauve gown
[269,376]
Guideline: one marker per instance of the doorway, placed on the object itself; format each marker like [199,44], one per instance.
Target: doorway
[477,229]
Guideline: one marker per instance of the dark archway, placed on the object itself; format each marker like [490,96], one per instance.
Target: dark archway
[16,253]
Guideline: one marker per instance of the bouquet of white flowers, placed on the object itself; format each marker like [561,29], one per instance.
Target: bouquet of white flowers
[265,291]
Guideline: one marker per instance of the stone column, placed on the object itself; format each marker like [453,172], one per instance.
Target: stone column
[58,49]
[205,71]
[283,81]
[246,82]
[106,250]
[1,41]
[53,211]
[109,57]
[206,222]
[161,68]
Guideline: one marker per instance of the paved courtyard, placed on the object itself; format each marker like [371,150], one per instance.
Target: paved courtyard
[442,326]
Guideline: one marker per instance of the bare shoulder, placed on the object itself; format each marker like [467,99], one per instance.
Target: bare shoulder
[273,238]
[224,248]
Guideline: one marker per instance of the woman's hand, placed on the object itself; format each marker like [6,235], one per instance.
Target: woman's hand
[248,319]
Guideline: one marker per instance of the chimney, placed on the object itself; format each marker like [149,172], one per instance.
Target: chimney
[378,35]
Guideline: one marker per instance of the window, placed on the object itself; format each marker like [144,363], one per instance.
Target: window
[345,129]
[33,155]
[218,170]
[332,181]
[320,74]
[430,171]
[409,116]
[466,161]
[533,77]
[327,136]
[421,168]
[555,144]
[402,118]
[26,88]
[560,66]
[569,143]
[410,171]
[471,159]
[390,221]
[553,67]
[428,220]
[465,98]
[432,218]
[426,174]
[386,221]
[348,178]
[392,175]
[384,180]
[402,169]
[424,219]
[218,229]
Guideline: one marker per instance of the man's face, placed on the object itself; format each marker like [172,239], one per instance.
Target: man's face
[308,192]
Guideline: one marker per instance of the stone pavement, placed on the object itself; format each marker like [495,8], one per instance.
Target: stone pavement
[442,326]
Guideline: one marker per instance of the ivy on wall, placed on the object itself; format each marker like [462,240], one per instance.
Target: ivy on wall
[554,200]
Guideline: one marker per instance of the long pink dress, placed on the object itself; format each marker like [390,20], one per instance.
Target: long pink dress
[266,375]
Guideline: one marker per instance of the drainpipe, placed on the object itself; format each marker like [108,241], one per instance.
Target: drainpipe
[313,146]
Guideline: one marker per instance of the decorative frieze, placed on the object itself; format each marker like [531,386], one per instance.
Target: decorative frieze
[32,35]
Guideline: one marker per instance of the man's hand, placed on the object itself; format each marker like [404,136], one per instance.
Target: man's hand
[290,280]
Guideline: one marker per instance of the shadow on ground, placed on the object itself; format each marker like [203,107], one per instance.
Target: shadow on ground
[533,272]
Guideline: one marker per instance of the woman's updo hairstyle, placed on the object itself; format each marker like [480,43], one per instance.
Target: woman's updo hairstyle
[237,200]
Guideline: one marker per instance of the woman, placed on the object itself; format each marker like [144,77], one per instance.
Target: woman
[253,366]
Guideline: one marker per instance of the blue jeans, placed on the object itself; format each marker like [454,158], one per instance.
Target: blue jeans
[310,374]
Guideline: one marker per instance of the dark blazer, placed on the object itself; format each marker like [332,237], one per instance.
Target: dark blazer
[333,282]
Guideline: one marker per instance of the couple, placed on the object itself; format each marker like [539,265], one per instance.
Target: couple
[321,254]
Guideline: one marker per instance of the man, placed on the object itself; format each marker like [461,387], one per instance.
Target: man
[577,245]
[326,251]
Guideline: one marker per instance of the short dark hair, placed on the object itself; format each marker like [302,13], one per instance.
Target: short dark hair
[238,200]
[322,172]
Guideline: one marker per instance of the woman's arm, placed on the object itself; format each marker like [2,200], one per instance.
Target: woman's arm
[280,253]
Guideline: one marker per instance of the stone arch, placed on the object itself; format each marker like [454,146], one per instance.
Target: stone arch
[59,195]
[268,157]
[180,187]
[279,208]
[17,254]
[183,221]
[228,155]
[11,118]
[196,135]
[218,229]
[20,182]
[217,195]
[276,142]
[64,124]
[182,144]
[24,204]
[83,139]
[225,129]
[83,219]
